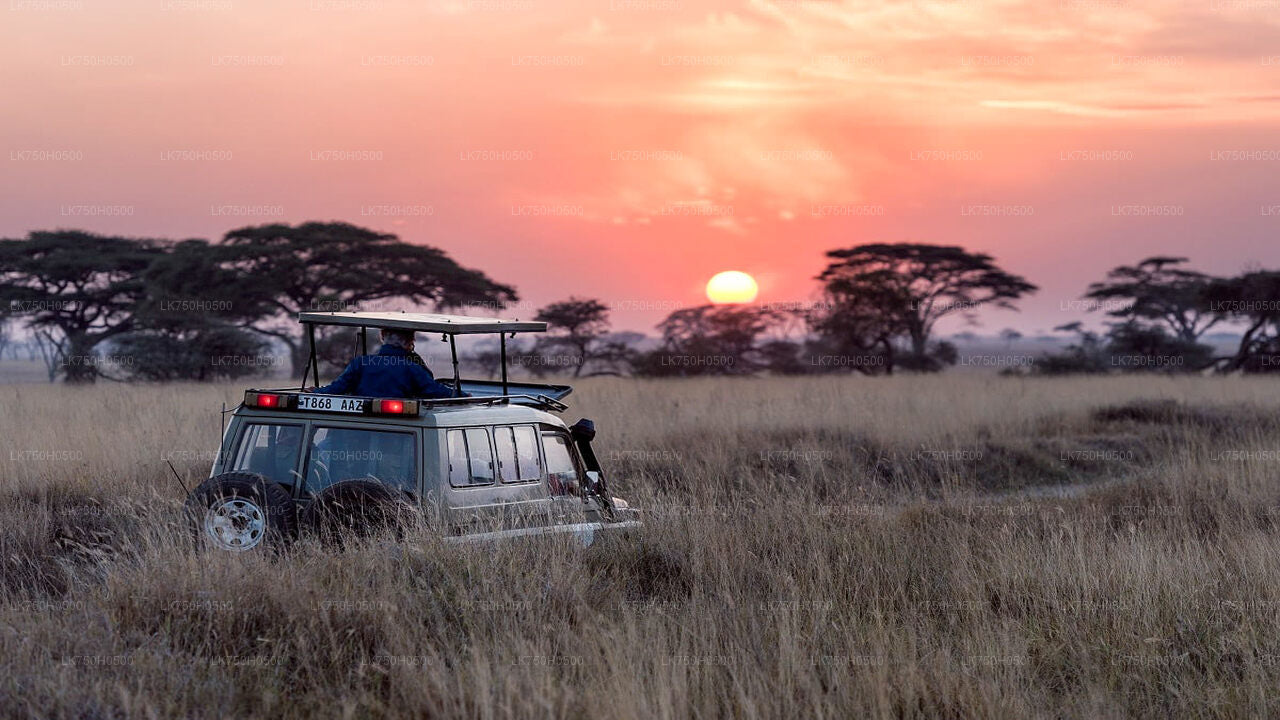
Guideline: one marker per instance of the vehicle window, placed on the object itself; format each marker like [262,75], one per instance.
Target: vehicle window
[270,451]
[480,454]
[470,457]
[527,453]
[517,453]
[459,469]
[504,439]
[347,454]
[562,474]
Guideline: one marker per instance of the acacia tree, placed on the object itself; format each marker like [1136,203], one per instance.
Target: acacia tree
[1157,291]
[711,340]
[1088,355]
[319,266]
[188,325]
[853,329]
[74,290]
[578,326]
[1010,336]
[1254,299]
[906,288]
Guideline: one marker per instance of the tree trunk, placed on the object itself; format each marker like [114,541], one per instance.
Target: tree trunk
[79,364]
[919,341]
[299,354]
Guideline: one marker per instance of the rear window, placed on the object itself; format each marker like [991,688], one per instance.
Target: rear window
[470,457]
[270,451]
[346,454]
[517,448]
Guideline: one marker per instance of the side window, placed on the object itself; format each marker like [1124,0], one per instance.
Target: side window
[459,469]
[518,459]
[562,474]
[470,457]
[481,456]
[504,439]
[527,453]
[347,454]
[270,451]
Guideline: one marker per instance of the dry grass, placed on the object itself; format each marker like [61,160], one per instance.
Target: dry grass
[903,547]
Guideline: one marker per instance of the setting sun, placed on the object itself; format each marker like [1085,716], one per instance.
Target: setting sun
[731,286]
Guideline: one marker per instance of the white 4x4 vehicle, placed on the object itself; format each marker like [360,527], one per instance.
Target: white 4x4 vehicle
[497,463]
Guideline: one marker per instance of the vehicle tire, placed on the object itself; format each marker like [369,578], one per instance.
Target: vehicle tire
[358,508]
[240,511]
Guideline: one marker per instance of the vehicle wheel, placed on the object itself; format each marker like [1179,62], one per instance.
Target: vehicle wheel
[358,508]
[239,511]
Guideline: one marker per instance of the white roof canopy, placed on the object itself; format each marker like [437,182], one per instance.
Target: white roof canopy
[422,322]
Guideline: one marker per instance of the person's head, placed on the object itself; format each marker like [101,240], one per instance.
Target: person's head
[398,338]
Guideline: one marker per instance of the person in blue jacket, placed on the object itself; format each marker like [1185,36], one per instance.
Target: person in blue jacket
[395,371]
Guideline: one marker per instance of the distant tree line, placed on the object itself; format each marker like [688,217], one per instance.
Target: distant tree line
[201,310]
[1158,313]
[878,307]
[880,304]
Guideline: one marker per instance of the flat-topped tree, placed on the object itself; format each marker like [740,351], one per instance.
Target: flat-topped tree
[576,325]
[1254,300]
[911,286]
[319,266]
[75,290]
[1158,291]
[193,312]
[712,340]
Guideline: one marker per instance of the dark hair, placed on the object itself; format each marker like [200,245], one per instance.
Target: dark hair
[397,337]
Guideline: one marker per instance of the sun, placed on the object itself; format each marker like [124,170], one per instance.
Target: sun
[731,286]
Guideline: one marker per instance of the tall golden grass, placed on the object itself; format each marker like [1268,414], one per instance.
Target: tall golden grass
[835,547]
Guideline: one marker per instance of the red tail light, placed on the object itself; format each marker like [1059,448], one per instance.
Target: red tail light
[262,400]
[395,407]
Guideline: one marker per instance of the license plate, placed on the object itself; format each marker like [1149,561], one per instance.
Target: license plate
[331,403]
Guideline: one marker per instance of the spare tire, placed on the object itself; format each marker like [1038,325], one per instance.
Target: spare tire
[358,508]
[240,511]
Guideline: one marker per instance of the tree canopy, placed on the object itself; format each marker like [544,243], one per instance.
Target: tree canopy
[1254,299]
[319,266]
[579,327]
[879,291]
[76,290]
[1158,291]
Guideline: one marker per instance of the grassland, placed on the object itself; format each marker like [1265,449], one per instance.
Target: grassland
[848,547]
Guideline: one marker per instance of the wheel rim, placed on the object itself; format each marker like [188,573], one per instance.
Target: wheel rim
[235,524]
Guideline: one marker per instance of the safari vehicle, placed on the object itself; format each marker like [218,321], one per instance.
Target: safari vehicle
[494,462]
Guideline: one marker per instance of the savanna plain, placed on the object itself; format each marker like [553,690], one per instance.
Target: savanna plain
[941,546]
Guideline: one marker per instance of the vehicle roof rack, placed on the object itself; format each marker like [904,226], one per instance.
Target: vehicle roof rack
[422,322]
[450,326]
[537,401]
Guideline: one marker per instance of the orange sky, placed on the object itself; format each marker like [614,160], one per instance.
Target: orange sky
[630,149]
